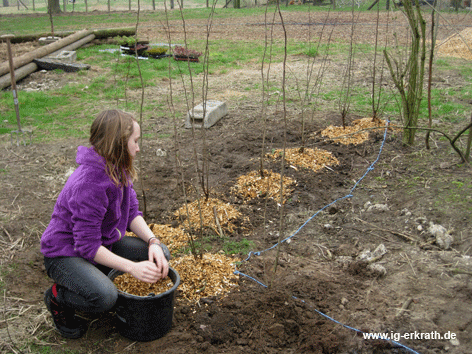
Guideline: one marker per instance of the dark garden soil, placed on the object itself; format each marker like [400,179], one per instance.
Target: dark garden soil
[415,287]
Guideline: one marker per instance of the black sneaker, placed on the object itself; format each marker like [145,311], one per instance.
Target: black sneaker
[67,324]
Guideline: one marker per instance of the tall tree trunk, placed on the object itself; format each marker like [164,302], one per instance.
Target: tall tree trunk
[54,6]
[430,72]
[408,77]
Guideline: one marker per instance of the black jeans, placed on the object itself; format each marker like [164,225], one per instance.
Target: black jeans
[86,286]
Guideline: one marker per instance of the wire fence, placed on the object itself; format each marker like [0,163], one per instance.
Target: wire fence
[70,6]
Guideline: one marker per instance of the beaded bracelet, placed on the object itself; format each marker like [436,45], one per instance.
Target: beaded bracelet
[153,240]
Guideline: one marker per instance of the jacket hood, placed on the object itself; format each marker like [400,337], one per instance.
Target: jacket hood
[88,156]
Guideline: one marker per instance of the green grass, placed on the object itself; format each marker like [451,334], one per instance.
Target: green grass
[69,110]
[204,245]
[243,247]
[48,115]
[76,18]
[80,20]
[457,195]
[312,52]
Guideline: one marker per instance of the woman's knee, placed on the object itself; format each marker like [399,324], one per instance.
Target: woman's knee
[103,301]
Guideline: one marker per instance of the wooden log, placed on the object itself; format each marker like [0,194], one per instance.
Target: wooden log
[113,32]
[27,69]
[43,51]
[20,73]
[76,44]
[99,34]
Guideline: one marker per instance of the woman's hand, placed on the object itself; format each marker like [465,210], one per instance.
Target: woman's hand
[146,271]
[149,271]
[156,255]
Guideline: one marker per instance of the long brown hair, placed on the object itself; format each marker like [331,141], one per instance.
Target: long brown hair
[109,135]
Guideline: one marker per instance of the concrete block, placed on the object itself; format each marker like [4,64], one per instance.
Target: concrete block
[66,56]
[214,111]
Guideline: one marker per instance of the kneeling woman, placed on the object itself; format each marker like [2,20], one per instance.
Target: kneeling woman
[85,237]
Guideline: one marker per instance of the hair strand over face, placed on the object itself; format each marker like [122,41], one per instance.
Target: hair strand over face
[109,135]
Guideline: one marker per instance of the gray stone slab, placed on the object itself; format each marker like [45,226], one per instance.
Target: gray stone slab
[67,67]
[214,111]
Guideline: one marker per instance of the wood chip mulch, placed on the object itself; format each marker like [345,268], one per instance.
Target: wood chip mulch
[209,276]
[212,275]
[459,45]
[130,285]
[175,238]
[252,185]
[225,212]
[314,159]
[353,134]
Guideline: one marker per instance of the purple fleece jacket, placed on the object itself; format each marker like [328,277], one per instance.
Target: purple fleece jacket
[90,211]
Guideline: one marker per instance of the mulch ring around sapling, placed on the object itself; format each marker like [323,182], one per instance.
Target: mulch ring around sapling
[354,134]
[314,159]
[204,276]
[175,238]
[212,213]
[253,185]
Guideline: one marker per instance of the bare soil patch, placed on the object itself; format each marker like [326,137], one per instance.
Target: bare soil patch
[323,268]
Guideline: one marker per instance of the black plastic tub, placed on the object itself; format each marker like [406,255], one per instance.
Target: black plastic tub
[145,318]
